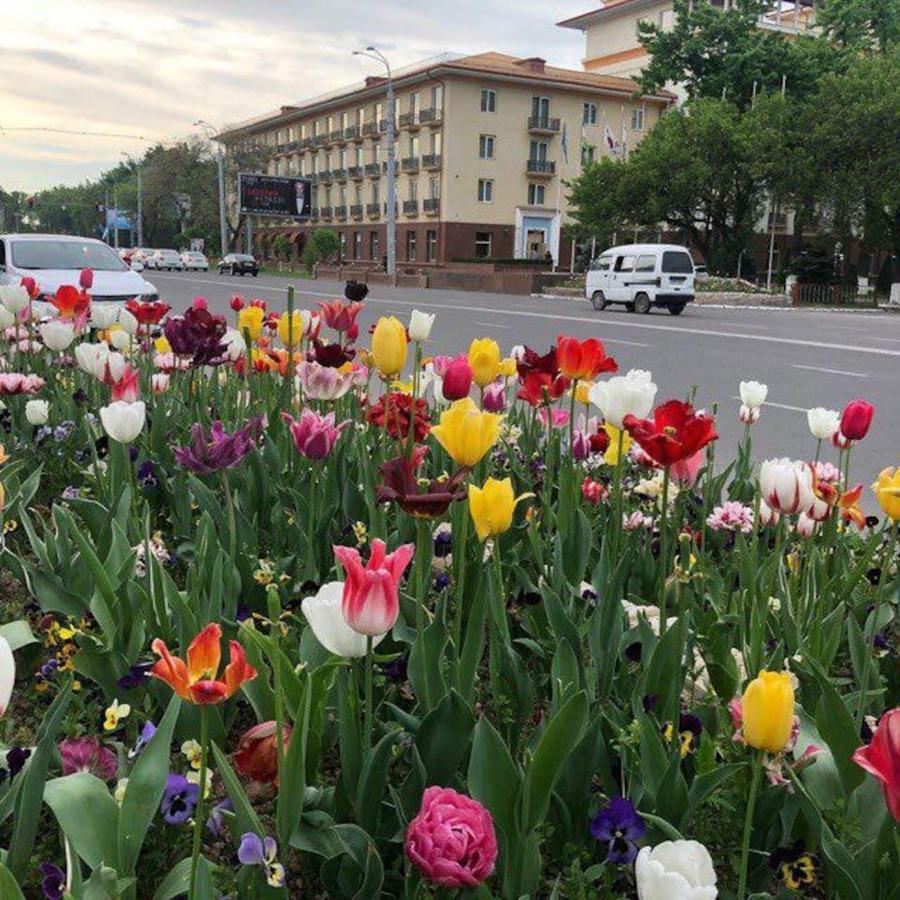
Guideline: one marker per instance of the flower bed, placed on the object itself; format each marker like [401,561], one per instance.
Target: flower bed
[291,611]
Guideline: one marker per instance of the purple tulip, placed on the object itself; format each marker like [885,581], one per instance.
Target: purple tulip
[88,755]
[619,826]
[495,397]
[198,334]
[218,450]
[314,435]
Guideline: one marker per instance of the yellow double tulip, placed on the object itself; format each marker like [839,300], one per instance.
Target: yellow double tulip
[484,360]
[887,490]
[389,346]
[250,320]
[467,433]
[290,328]
[492,507]
[768,711]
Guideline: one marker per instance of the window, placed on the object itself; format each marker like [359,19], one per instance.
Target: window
[357,245]
[414,103]
[343,245]
[410,246]
[413,190]
[587,155]
[488,100]
[414,146]
[329,124]
[677,263]
[437,96]
[482,244]
[538,150]
[486,146]
[485,190]
[602,264]
[360,116]
[436,143]
[376,194]
[625,264]
[345,120]
[540,108]
[373,245]
[535,195]
[637,118]
[645,264]
[589,116]
[430,246]
[357,196]
[359,156]
[328,196]
[379,112]
[342,159]
[434,187]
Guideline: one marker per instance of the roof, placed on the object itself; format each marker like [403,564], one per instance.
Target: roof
[644,248]
[491,64]
[43,236]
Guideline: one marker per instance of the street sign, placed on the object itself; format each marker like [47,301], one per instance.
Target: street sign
[273,195]
[198,245]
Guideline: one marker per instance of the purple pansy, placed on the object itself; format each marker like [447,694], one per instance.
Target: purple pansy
[53,881]
[257,851]
[179,799]
[147,732]
[619,826]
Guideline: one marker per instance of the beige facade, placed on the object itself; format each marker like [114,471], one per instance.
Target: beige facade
[480,156]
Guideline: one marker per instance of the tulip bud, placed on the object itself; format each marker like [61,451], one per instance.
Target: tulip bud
[236,303]
[749,415]
[200,303]
[457,379]
[484,360]
[86,279]
[856,419]
[159,383]
[420,325]
[768,711]
[31,287]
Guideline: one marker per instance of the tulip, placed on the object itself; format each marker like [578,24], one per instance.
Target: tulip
[749,415]
[314,435]
[104,315]
[7,671]
[129,322]
[768,711]
[123,422]
[342,316]
[251,320]
[196,681]
[12,383]
[492,507]
[675,870]
[420,325]
[786,486]
[389,346]
[325,618]
[370,602]
[290,328]
[37,412]
[625,395]
[217,450]
[126,388]
[57,335]
[159,384]
[753,394]
[880,758]
[484,359]
[767,515]
[256,755]
[14,297]
[494,399]
[467,433]
[86,279]
[887,491]
[323,382]
[508,367]
[457,379]
[579,360]
[7,318]
[236,302]
[674,434]
[806,525]
[120,339]
[856,419]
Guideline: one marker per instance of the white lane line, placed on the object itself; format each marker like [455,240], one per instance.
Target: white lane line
[780,405]
[889,340]
[831,371]
[492,325]
[707,332]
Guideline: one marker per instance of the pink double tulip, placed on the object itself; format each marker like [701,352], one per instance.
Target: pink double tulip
[323,382]
[370,603]
[314,435]
[17,383]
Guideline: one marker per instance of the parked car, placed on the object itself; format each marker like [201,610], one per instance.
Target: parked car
[701,273]
[53,260]
[194,259]
[167,259]
[239,264]
[642,276]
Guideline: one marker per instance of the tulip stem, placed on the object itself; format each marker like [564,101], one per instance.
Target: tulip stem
[229,507]
[459,550]
[367,723]
[663,551]
[198,812]
[748,826]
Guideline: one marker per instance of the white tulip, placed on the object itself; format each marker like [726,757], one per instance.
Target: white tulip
[111,368]
[159,383]
[323,612]
[806,525]
[128,322]
[89,356]
[786,485]
[420,325]
[767,515]
[41,310]
[823,423]
[517,352]
[14,297]
[753,394]
[7,673]
[57,335]
[675,870]
[104,315]
[625,395]
[120,339]
[37,412]
[7,318]
[122,421]
[749,415]
[235,346]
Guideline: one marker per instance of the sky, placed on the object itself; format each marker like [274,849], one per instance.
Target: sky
[151,68]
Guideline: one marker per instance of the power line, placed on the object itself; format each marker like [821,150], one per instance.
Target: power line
[110,134]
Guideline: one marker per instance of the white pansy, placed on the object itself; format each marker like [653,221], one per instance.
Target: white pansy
[122,421]
[57,335]
[420,325]
[823,423]
[625,395]
[675,870]
[37,412]
[323,612]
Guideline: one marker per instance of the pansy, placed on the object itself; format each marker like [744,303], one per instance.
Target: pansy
[114,714]
[179,799]
[262,852]
[619,826]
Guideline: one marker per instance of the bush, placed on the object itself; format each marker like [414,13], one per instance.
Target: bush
[323,245]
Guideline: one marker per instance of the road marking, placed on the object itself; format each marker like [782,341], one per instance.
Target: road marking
[889,340]
[492,325]
[780,405]
[706,332]
[831,371]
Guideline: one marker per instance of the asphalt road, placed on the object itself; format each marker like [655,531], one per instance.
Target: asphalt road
[807,358]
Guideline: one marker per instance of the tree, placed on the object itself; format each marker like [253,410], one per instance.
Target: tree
[861,25]
[323,245]
[595,208]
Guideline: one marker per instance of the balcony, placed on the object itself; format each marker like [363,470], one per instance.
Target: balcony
[373,170]
[410,207]
[306,143]
[370,129]
[383,125]
[326,212]
[314,178]
[340,212]
[409,120]
[351,133]
[540,168]
[317,140]
[543,125]
[386,209]
[384,166]
[430,116]
[339,174]
[431,206]
[431,161]
[373,210]
[410,164]
[336,136]
[356,211]
[355,172]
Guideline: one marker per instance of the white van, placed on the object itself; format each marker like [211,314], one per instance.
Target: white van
[642,276]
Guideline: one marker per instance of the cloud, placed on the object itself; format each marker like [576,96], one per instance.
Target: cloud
[153,67]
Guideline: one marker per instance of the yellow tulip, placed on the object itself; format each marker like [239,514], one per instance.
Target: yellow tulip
[492,507]
[768,711]
[389,346]
[2,497]
[162,345]
[581,392]
[290,328]
[250,319]
[887,490]
[3,455]
[484,360]
[508,367]
[617,436]
[467,433]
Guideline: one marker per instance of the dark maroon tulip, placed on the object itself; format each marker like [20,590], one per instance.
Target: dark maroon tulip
[402,486]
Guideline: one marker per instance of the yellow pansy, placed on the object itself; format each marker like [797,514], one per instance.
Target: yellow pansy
[114,714]
[192,751]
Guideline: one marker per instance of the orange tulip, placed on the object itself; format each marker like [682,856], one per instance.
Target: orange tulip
[195,681]
[71,303]
[581,360]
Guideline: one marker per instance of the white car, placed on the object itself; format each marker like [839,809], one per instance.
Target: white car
[194,259]
[167,259]
[642,276]
[53,260]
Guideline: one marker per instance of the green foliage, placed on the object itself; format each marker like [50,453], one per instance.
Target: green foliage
[323,246]
[861,25]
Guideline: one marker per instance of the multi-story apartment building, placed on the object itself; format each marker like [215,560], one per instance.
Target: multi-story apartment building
[484,145]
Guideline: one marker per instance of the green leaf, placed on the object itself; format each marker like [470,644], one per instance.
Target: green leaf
[836,727]
[177,881]
[372,782]
[18,634]
[87,815]
[842,867]
[349,733]
[293,780]
[146,786]
[245,817]
[703,785]
[443,738]
[9,888]
[561,737]
[669,830]
[424,667]
[493,778]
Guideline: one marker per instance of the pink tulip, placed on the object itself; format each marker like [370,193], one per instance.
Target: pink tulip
[17,383]
[684,472]
[314,435]
[457,379]
[126,388]
[86,279]
[370,603]
[200,303]
[440,364]
[558,418]
[495,397]
[323,382]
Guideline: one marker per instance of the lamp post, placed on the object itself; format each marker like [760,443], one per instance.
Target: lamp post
[374,53]
[140,199]
[220,166]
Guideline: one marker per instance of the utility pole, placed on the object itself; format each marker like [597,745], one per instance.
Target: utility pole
[220,169]
[140,202]
[374,53]
[116,220]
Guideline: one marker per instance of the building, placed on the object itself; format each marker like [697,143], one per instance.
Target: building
[484,144]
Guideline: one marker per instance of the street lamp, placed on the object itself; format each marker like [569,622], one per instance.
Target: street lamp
[378,56]
[140,199]
[210,130]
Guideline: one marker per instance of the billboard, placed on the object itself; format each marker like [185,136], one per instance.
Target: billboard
[273,195]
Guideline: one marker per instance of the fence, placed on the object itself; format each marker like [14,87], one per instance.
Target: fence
[830,295]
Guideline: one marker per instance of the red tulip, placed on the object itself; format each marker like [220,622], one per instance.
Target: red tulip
[539,388]
[675,433]
[86,279]
[881,758]
[457,379]
[581,360]
[147,313]
[71,303]
[126,388]
[236,303]
[257,752]
[340,316]
[856,419]
[30,285]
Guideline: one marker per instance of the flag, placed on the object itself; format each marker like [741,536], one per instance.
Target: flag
[610,139]
[565,144]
